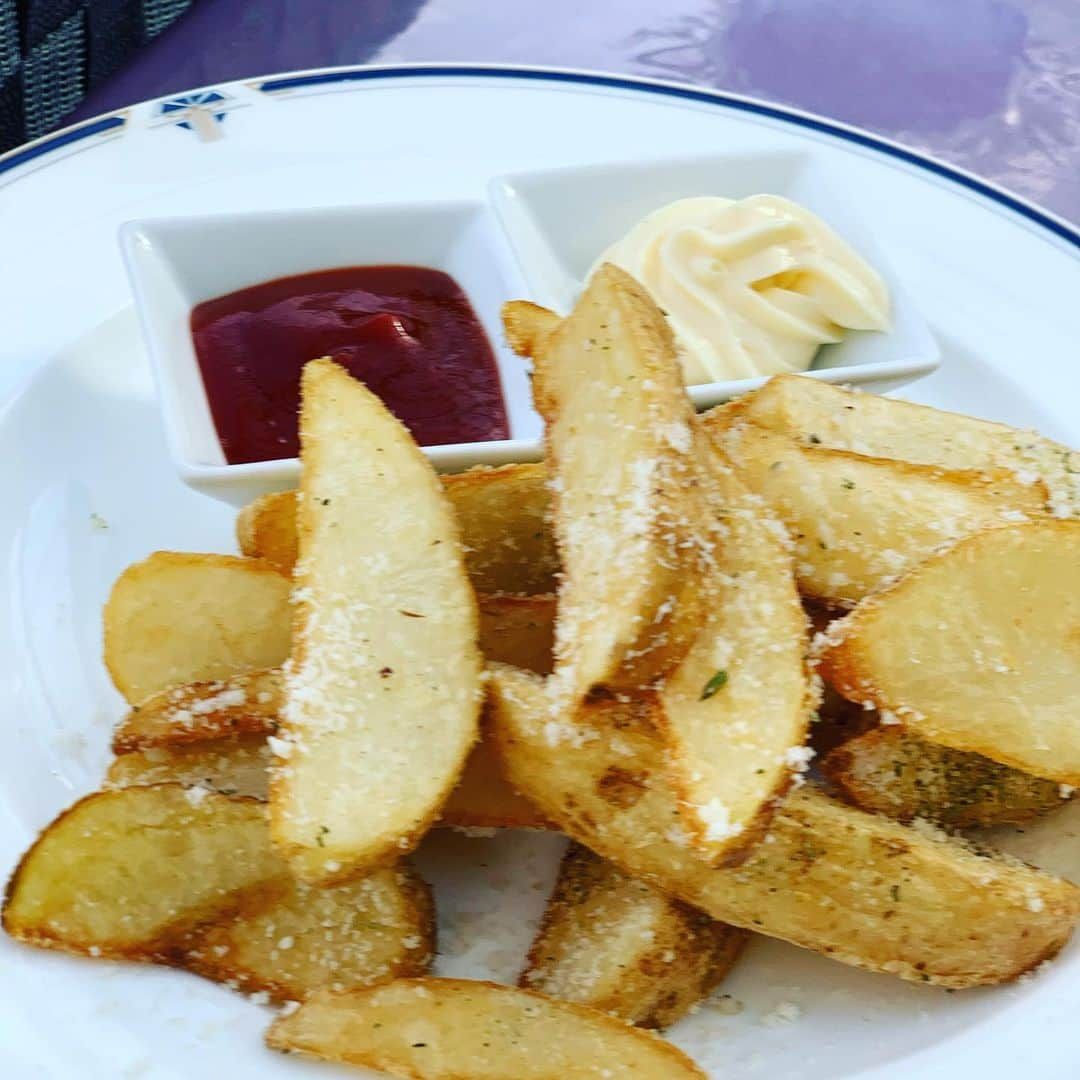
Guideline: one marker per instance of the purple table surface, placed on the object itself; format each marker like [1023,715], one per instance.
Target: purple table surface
[990,85]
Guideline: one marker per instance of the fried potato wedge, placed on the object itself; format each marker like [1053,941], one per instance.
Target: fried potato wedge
[614,943]
[239,765]
[303,938]
[450,1029]
[483,799]
[858,522]
[186,735]
[977,649]
[247,703]
[735,709]
[266,529]
[528,326]
[501,512]
[514,630]
[123,874]
[818,414]
[382,694]
[234,765]
[619,448]
[858,887]
[890,771]
[518,630]
[180,618]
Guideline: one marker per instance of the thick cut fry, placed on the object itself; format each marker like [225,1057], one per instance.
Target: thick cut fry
[528,326]
[303,938]
[857,887]
[182,618]
[513,630]
[484,800]
[518,630]
[383,690]
[453,1029]
[818,414]
[185,735]
[501,512]
[890,771]
[234,765]
[503,517]
[735,710]
[977,649]
[619,447]
[244,704]
[616,944]
[125,873]
[239,766]
[266,529]
[858,523]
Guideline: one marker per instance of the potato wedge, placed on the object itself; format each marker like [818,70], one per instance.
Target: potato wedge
[977,649]
[266,529]
[528,326]
[363,932]
[234,765]
[819,414]
[124,874]
[501,512]
[483,799]
[514,630]
[518,630]
[382,694]
[735,709]
[627,526]
[857,887]
[860,522]
[185,735]
[615,944]
[450,1029]
[239,765]
[247,703]
[890,771]
[180,618]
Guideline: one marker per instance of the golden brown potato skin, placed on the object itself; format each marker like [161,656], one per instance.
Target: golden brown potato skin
[976,648]
[819,414]
[857,887]
[245,703]
[501,511]
[474,1031]
[234,765]
[125,873]
[300,939]
[858,522]
[165,875]
[614,943]
[178,617]
[629,523]
[890,771]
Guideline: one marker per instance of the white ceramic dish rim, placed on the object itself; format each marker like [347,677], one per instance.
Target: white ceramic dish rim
[1056,225]
[1009,1029]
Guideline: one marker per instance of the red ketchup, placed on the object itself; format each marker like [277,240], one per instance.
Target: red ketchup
[408,332]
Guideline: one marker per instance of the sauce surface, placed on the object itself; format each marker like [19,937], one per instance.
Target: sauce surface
[408,332]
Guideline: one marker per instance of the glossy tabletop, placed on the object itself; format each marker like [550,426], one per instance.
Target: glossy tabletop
[990,85]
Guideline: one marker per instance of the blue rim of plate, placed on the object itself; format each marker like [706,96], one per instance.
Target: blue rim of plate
[736,102]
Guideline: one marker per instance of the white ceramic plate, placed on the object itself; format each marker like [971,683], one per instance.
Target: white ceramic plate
[89,488]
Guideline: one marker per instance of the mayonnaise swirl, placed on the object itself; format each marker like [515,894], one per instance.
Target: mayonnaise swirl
[751,286]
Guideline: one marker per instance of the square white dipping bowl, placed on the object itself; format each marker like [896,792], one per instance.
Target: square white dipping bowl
[176,263]
[560,221]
